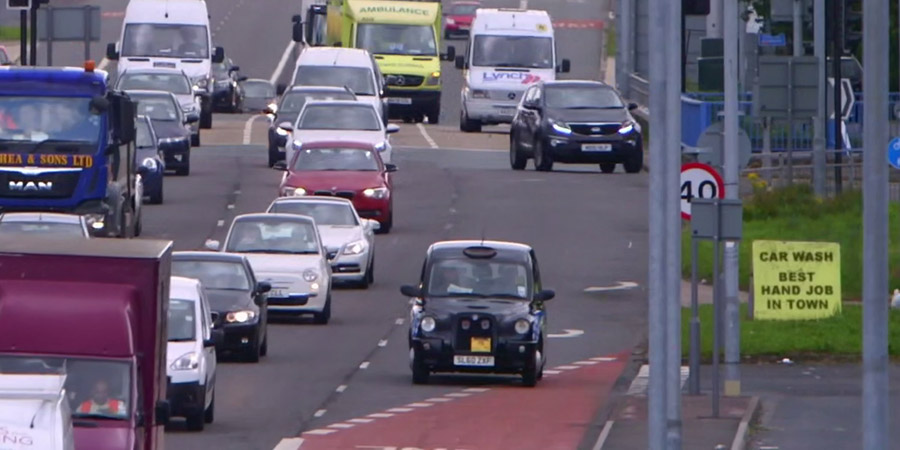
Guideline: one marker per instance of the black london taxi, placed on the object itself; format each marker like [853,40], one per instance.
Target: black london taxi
[478,307]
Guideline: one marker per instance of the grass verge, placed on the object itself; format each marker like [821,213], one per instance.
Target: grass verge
[9,33]
[837,338]
[610,40]
[795,214]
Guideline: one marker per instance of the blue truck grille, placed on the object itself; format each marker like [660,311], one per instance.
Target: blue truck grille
[44,185]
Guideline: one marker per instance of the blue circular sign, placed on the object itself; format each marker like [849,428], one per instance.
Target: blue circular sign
[893,153]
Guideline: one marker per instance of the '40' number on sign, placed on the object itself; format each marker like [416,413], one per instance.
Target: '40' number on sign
[705,189]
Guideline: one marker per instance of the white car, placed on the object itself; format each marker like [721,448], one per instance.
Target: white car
[325,120]
[348,239]
[44,223]
[191,353]
[167,80]
[284,250]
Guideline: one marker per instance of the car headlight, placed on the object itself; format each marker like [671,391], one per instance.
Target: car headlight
[434,78]
[202,83]
[188,361]
[239,316]
[451,21]
[627,127]
[310,275]
[378,193]
[292,191]
[355,248]
[560,127]
[172,140]
[428,324]
[149,163]
[95,221]
[522,326]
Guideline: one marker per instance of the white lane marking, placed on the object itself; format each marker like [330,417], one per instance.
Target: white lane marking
[629,244]
[320,431]
[604,358]
[567,334]
[551,372]
[400,410]
[364,365]
[281,63]
[586,363]
[381,415]
[620,286]
[361,420]
[341,425]
[230,206]
[248,129]
[604,434]
[448,227]
[566,367]
[523,4]
[382,343]
[483,150]
[425,135]
[476,390]
[237,192]
[103,63]
[289,444]
[439,399]
[420,405]
[341,388]
[220,223]
[398,322]
[319,413]
[458,394]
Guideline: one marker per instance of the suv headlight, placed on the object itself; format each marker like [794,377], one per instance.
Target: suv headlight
[149,163]
[202,83]
[310,275]
[355,248]
[627,127]
[240,316]
[292,191]
[378,193]
[522,326]
[428,324]
[560,127]
[188,361]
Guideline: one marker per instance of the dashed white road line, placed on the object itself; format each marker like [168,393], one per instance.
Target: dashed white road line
[361,420]
[289,444]
[220,223]
[364,365]
[480,150]
[551,372]
[341,425]
[441,399]
[420,405]
[604,358]
[398,322]
[476,390]
[458,394]
[382,343]
[319,413]
[400,410]
[381,415]
[341,388]
[425,135]
[248,129]
[231,206]
[320,431]
[566,367]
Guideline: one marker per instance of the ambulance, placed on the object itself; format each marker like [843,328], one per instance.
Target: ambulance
[508,51]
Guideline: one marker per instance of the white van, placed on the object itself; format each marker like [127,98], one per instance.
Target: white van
[35,413]
[353,68]
[191,353]
[171,34]
[508,50]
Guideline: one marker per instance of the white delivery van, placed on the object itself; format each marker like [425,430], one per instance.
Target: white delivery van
[508,50]
[353,68]
[35,413]
[171,34]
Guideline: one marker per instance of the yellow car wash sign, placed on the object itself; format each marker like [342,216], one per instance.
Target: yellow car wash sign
[796,280]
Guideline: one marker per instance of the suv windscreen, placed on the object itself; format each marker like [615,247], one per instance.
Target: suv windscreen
[358,79]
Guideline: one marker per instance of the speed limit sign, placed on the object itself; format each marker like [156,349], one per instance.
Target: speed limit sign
[699,180]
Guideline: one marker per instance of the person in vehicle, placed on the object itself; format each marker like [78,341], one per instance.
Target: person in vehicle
[101,403]
[250,238]
[449,280]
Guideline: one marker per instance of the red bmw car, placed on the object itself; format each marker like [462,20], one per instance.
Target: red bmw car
[458,18]
[352,170]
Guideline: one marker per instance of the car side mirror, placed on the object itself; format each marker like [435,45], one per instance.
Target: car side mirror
[297,34]
[545,295]
[450,55]
[242,79]
[214,316]
[111,53]
[460,62]
[162,412]
[390,168]
[632,106]
[392,128]
[411,291]
[218,55]
[280,88]
[565,66]
[217,337]
[235,68]
[191,117]
[263,287]
[286,126]
[372,224]
[280,165]
[212,244]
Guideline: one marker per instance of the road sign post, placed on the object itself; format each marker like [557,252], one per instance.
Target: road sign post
[699,181]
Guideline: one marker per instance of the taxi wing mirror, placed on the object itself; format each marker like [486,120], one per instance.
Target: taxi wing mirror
[390,168]
[411,291]
[286,126]
[218,55]
[392,128]
[545,295]
[632,106]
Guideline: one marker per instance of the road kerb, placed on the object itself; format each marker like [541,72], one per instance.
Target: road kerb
[740,437]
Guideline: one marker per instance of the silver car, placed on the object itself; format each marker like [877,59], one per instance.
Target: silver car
[168,80]
[44,223]
[284,250]
[348,239]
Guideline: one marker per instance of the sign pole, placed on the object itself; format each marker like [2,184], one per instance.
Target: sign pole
[23,37]
[33,55]
[49,11]
[694,386]
[87,32]
[717,322]
[819,121]
[837,50]
[875,395]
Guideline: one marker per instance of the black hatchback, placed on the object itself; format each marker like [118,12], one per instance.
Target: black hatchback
[576,122]
[479,307]
[237,300]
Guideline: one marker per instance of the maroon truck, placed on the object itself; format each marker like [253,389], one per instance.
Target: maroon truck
[96,311]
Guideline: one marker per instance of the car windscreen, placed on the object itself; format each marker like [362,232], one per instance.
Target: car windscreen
[294,101]
[512,51]
[175,83]
[391,39]
[42,228]
[143,136]
[339,117]
[581,97]
[182,325]
[463,10]
[97,389]
[165,40]
[479,278]
[214,274]
[358,79]
[157,108]
[273,235]
[27,122]
[324,213]
[335,159]
[258,89]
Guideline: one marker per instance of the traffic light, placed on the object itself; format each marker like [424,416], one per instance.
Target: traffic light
[18,4]
[852,25]
[695,7]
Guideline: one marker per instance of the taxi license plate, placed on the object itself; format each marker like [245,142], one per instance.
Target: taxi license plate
[278,293]
[399,100]
[480,344]
[596,147]
[478,361]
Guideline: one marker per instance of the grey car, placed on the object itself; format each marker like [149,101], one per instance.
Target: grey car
[44,223]
[167,80]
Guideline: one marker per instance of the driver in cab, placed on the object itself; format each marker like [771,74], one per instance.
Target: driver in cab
[101,403]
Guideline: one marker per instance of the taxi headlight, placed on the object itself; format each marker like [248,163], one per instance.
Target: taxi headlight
[239,316]
[522,326]
[428,324]
[288,191]
[355,248]
[149,163]
[310,275]
[188,361]
[378,193]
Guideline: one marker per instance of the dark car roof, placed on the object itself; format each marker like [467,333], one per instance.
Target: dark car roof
[208,256]
[454,249]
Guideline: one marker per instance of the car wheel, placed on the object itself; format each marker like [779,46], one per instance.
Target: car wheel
[370,274]
[607,167]
[323,317]
[156,197]
[186,169]
[206,118]
[388,224]
[264,348]
[434,114]
[467,125]
[533,369]
[195,140]
[420,373]
[253,353]
[273,155]
[542,161]
[210,414]
[516,160]
[196,419]
[634,163]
